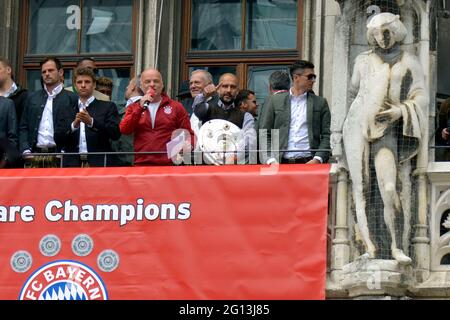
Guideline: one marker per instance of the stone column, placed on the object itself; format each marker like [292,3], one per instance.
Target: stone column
[421,240]
[341,244]
[340,251]
[158,38]
[9,34]
[147,31]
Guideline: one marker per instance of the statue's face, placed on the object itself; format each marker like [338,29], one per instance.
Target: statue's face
[384,37]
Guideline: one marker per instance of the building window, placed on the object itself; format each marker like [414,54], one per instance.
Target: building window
[251,38]
[69,29]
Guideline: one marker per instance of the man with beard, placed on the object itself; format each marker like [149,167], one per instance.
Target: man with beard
[222,106]
[36,131]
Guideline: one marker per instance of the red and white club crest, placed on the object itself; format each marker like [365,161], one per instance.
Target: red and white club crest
[64,280]
[167,109]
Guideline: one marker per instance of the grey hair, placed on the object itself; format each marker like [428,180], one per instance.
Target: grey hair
[206,75]
[386,20]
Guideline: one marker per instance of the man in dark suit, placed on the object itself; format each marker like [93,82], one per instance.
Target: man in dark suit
[8,121]
[9,154]
[88,127]
[10,89]
[301,119]
[37,126]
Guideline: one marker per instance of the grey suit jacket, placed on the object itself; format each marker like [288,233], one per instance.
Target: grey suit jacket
[277,115]
[8,121]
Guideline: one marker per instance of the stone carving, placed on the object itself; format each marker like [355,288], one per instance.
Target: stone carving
[446,223]
[386,121]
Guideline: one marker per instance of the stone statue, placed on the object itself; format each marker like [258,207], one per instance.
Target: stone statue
[385,122]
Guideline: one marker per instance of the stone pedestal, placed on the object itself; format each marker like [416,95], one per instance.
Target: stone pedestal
[372,277]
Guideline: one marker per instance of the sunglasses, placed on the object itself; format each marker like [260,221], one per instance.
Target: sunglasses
[310,77]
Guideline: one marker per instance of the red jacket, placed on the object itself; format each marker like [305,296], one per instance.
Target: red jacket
[170,116]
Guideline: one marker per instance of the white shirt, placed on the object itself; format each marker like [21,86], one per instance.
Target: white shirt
[82,144]
[153,108]
[10,91]
[132,100]
[298,131]
[46,130]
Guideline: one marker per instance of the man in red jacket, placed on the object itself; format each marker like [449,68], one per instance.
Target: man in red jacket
[153,120]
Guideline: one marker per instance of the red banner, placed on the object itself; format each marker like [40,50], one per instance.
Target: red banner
[204,232]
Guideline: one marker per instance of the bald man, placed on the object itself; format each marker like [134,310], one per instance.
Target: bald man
[217,102]
[153,119]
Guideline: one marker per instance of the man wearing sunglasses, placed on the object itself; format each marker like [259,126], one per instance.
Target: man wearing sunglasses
[301,121]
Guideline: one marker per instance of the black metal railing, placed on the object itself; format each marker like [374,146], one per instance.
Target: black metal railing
[249,154]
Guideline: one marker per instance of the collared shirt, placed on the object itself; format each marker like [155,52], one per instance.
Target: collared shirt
[132,100]
[10,91]
[46,130]
[82,145]
[298,131]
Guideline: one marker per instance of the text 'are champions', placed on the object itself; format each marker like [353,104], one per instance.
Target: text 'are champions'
[57,211]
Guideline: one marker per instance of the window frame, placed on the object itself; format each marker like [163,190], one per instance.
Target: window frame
[242,59]
[103,60]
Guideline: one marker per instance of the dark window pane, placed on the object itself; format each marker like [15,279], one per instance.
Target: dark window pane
[120,78]
[216,72]
[107,26]
[216,25]
[52,27]
[258,80]
[443,69]
[445,260]
[271,24]
[33,80]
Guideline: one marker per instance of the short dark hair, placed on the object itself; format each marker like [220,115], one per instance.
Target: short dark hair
[105,82]
[300,65]
[54,59]
[84,72]
[85,59]
[242,96]
[279,80]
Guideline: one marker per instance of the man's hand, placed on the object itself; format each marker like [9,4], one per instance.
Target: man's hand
[84,116]
[445,134]
[149,96]
[313,161]
[76,123]
[389,112]
[210,90]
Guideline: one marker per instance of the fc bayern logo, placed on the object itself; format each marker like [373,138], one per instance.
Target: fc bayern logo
[167,109]
[64,280]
